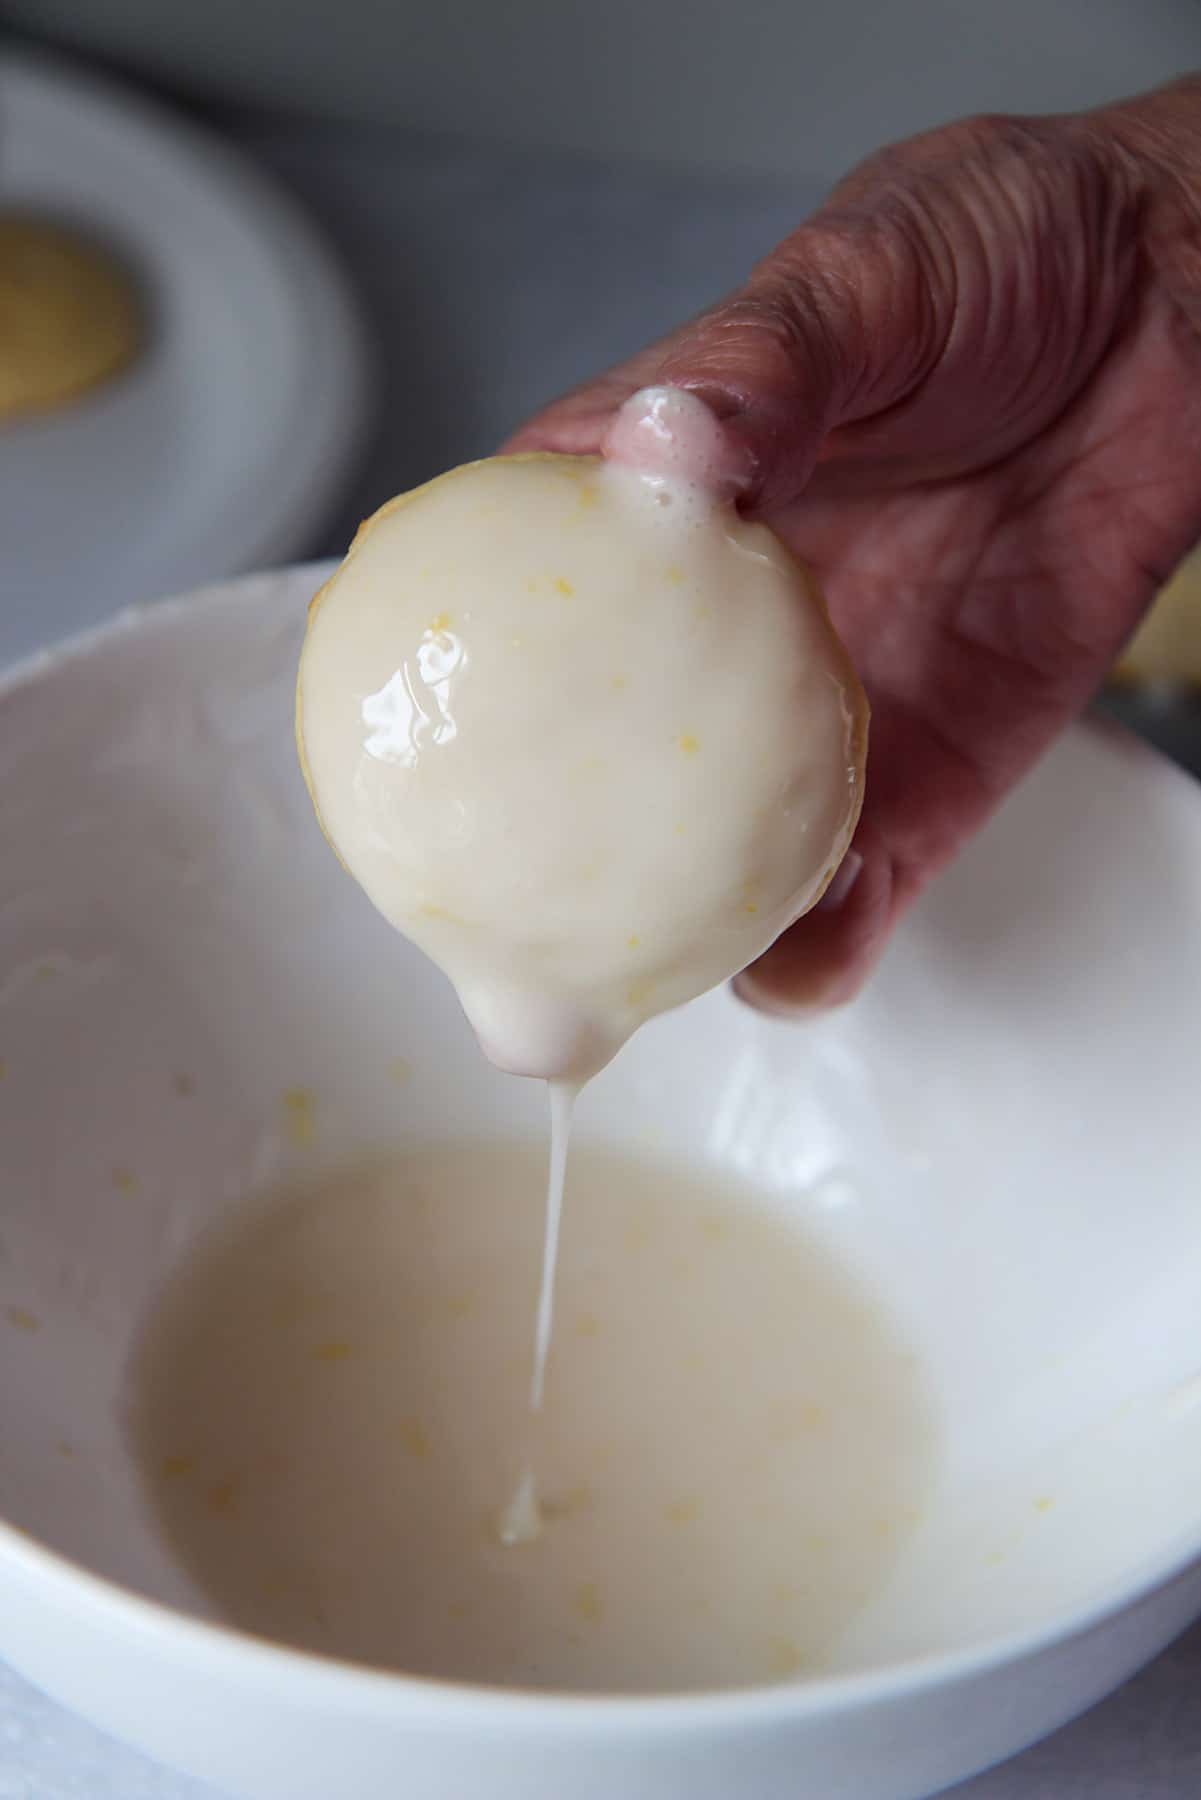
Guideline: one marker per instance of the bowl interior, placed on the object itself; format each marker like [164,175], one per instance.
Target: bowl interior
[1002,1138]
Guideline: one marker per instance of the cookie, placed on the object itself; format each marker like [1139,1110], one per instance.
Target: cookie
[70,315]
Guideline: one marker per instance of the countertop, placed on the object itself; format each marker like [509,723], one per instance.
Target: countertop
[493,279]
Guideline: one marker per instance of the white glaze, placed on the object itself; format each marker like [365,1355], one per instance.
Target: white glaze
[582,734]
[329,1395]
[589,740]
[521,1521]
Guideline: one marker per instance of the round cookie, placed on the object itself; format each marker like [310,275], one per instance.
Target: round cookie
[585,736]
[69,315]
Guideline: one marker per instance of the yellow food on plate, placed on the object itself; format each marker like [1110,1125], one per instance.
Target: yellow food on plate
[1166,649]
[70,315]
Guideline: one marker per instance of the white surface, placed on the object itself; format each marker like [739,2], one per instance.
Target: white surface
[1002,1136]
[221,446]
[769,84]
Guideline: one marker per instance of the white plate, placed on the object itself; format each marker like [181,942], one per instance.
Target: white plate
[220,449]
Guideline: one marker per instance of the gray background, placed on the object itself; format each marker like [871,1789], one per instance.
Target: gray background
[779,85]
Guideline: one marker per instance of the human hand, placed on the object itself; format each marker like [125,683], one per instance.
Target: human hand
[968,393]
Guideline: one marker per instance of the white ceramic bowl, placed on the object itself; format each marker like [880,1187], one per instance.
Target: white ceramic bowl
[1004,1136]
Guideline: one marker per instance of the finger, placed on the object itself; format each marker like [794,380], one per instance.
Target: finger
[837,322]
[944,306]
[825,959]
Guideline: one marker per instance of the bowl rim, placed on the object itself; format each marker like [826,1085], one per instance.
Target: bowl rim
[172,1630]
[317,1677]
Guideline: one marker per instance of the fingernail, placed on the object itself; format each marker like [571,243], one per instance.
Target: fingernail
[673,431]
[843,880]
[752,993]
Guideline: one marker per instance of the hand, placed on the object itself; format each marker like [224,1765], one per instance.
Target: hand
[969,393]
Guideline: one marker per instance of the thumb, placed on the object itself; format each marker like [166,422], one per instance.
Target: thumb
[835,325]
[946,303]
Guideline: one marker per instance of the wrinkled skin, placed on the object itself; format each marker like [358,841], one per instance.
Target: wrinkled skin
[968,392]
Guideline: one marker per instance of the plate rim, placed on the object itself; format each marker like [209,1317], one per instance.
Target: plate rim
[332,387]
